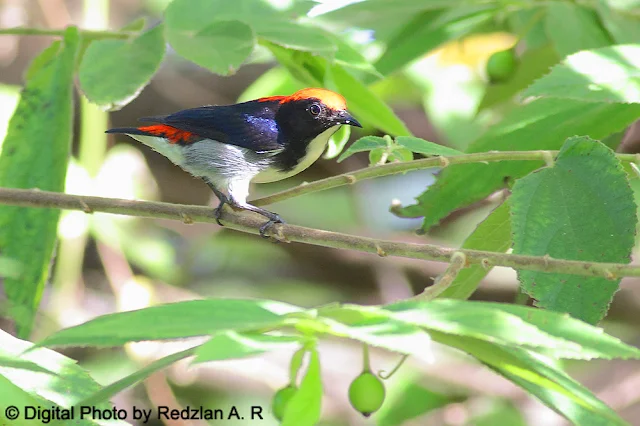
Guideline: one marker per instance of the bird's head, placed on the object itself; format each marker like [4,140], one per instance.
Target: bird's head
[309,112]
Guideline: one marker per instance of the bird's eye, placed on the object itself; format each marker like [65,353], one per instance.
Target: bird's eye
[314,109]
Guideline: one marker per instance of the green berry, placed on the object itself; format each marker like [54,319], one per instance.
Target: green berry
[366,393]
[501,65]
[280,401]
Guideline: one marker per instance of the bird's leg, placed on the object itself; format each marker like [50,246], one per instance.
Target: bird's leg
[273,217]
[217,212]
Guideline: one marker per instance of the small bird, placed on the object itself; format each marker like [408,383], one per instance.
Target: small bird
[263,140]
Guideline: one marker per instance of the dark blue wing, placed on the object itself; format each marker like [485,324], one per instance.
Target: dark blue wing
[250,125]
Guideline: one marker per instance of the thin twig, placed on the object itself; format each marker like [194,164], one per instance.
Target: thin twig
[397,168]
[250,222]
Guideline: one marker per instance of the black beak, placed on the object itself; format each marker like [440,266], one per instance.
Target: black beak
[345,118]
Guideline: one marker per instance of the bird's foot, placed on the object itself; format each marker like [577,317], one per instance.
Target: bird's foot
[217,212]
[270,224]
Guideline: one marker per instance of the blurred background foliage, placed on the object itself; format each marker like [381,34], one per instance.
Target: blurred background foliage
[107,263]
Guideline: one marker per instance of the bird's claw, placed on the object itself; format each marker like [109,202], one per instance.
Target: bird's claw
[217,212]
[269,225]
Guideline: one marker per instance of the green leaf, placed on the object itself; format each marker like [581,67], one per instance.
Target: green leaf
[563,212]
[427,31]
[348,56]
[534,63]
[478,320]
[572,28]
[296,36]
[231,344]
[337,142]
[492,234]
[366,143]
[304,407]
[113,72]
[538,375]
[375,327]
[22,364]
[365,104]
[107,392]
[622,28]
[609,74]
[401,154]
[172,321]
[220,47]
[541,124]
[57,382]
[594,343]
[411,401]
[35,153]
[424,147]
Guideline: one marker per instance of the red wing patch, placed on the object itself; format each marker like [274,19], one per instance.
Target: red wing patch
[173,134]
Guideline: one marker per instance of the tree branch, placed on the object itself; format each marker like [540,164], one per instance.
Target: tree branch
[425,163]
[250,222]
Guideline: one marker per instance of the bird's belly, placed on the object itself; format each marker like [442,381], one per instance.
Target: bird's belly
[314,150]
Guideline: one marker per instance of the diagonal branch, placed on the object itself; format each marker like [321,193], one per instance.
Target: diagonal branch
[425,163]
[250,222]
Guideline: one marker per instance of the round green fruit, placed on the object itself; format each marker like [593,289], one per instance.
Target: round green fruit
[366,393]
[501,65]
[280,401]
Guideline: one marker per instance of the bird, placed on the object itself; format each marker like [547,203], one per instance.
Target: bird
[263,140]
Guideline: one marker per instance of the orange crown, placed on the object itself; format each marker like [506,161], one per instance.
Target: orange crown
[331,99]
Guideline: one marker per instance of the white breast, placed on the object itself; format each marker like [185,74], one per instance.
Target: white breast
[314,150]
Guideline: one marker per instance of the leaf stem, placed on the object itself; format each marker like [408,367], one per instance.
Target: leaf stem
[250,222]
[458,262]
[397,168]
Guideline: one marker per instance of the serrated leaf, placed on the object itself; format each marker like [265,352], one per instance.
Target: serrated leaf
[303,409]
[478,320]
[60,383]
[563,212]
[365,104]
[572,27]
[231,344]
[537,374]
[172,321]
[623,28]
[594,343]
[424,147]
[609,74]
[367,143]
[220,47]
[540,124]
[113,72]
[35,154]
[492,234]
